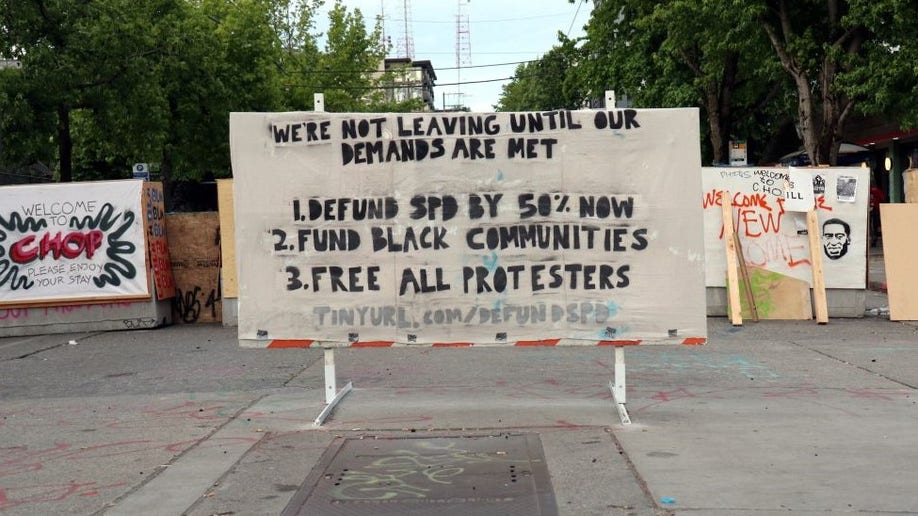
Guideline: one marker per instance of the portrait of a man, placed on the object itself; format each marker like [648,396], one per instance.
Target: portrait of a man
[836,235]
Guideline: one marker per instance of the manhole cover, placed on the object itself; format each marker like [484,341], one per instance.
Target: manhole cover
[468,476]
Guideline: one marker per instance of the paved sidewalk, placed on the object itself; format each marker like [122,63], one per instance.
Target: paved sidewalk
[768,418]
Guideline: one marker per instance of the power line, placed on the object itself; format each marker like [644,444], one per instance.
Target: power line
[475,82]
[489,65]
[498,20]
[494,53]
[579,4]
[397,70]
[403,86]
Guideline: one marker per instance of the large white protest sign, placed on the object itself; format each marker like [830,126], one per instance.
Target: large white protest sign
[72,242]
[773,237]
[458,227]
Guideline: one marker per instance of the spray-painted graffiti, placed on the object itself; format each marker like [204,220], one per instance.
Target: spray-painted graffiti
[13,314]
[68,241]
[11,497]
[188,304]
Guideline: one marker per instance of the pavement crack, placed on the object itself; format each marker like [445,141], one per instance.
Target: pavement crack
[48,348]
[302,370]
[178,457]
[862,368]
[641,481]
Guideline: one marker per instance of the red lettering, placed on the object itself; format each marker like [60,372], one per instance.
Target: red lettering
[747,218]
[20,254]
[94,241]
[50,244]
[769,251]
[712,198]
[69,246]
[68,243]
[14,313]
[757,200]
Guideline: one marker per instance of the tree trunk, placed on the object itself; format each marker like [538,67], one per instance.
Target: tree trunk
[808,124]
[165,170]
[165,174]
[718,138]
[64,143]
[718,99]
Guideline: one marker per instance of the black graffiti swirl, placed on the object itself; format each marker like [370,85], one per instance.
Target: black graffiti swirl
[9,273]
[119,266]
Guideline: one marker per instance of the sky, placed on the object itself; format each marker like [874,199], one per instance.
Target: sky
[499,32]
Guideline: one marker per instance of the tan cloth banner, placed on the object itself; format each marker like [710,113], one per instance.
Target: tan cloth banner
[459,227]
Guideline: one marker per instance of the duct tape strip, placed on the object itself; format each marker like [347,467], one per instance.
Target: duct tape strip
[281,344]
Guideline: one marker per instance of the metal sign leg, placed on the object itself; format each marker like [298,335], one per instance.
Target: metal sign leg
[332,394]
[617,385]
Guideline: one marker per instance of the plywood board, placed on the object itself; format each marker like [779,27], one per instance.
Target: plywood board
[816,265]
[900,247]
[777,296]
[195,254]
[910,181]
[229,281]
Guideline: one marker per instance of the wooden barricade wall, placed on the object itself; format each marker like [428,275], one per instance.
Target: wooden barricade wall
[195,254]
[900,246]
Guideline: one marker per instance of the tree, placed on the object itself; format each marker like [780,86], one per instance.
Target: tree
[71,53]
[684,53]
[221,56]
[546,83]
[351,53]
[843,56]
[129,81]
[112,82]
[25,122]
[294,24]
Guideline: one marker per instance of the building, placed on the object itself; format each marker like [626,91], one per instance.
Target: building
[893,150]
[407,79]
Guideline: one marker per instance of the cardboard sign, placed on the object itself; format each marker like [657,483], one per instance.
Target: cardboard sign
[459,227]
[72,242]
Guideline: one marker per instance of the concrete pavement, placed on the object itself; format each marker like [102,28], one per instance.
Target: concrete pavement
[768,418]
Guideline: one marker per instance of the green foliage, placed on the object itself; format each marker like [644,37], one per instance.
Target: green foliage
[348,48]
[887,81]
[295,26]
[25,122]
[844,57]
[547,83]
[757,69]
[109,83]
[707,53]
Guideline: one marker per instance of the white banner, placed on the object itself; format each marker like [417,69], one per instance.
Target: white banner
[774,238]
[458,227]
[72,241]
